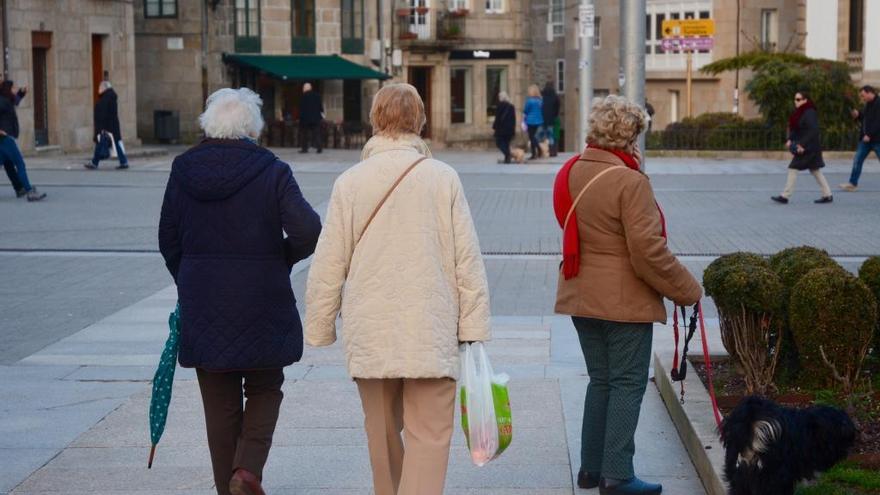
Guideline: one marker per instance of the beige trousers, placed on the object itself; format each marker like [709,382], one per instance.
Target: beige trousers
[792,178]
[424,410]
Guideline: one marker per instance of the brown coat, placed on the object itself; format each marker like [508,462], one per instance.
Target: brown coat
[625,267]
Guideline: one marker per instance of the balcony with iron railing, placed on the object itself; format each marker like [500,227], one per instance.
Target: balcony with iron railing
[425,27]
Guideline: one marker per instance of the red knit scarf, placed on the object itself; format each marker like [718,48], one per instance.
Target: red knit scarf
[562,202]
[795,118]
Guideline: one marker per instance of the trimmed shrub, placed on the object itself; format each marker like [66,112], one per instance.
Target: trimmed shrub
[747,293]
[869,273]
[832,317]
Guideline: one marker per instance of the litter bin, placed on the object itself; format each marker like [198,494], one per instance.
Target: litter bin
[166,126]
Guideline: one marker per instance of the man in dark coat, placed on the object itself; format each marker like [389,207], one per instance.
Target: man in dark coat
[550,109]
[805,145]
[107,133]
[233,224]
[504,125]
[311,114]
[869,137]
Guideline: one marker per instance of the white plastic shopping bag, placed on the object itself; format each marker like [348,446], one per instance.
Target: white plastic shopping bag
[485,405]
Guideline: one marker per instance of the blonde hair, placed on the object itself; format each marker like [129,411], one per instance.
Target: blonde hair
[534,90]
[232,114]
[397,109]
[615,122]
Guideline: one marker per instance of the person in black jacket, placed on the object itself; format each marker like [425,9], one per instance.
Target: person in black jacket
[233,224]
[311,114]
[805,145]
[504,125]
[107,131]
[869,137]
[550,109]
[10,154]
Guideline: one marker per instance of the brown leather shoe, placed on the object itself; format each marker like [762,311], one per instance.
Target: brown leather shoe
[244,482]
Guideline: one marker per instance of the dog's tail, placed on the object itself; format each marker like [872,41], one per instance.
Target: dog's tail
[749,430]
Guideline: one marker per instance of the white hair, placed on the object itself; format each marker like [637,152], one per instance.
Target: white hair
[232,114]
[503,96]
[104,86]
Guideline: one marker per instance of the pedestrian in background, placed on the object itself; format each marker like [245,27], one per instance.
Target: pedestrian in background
[107,131]
[504,124]
[869,137]
[550,113]
[408,277]
[311,115]
[804,143]
[533,116]
[13,162]
[227,208]
[616,270]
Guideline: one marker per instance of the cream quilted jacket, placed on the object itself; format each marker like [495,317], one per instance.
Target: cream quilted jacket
[416,284]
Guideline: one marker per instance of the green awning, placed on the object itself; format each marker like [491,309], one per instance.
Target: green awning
[304,67]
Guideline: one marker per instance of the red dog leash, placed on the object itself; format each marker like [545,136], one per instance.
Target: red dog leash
[679,369]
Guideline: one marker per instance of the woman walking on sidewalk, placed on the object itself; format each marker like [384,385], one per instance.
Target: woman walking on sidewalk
[399,257]
[616,270]
[13,162]
[220,232]
[805,145]
[533,116]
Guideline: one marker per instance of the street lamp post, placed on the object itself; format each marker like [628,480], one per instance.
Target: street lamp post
[632,51]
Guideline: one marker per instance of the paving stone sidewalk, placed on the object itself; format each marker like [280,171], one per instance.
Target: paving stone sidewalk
[80,409]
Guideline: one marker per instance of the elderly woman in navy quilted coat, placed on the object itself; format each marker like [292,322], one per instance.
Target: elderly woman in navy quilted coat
[233,224]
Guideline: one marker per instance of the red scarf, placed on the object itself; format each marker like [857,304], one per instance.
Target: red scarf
[562,202]
[795,118]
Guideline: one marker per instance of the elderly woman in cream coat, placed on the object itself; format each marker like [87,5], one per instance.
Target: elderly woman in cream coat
[410,288]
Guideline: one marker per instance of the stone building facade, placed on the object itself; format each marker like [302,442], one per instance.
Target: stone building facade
[62,50]
[460,54]
[185,55]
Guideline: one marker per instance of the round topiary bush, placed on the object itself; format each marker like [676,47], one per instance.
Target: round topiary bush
[747,293]
[832,316]
[793,263]
[869,273]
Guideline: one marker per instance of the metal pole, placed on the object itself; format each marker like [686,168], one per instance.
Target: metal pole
[689,85]
[632,44]
[736,81]
[585,91]
[380,5]
[5,40]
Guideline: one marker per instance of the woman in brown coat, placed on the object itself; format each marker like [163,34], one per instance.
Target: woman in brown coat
[616,270]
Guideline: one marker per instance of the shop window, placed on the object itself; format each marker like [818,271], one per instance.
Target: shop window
[302,26]
[460,94]
[353,26]
[496,82]
[247,26]
[160,8]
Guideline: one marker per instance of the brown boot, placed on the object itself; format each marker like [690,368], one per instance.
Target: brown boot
[244,482]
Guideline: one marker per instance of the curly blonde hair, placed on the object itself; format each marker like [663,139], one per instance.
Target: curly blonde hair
[615,122]
[397,109]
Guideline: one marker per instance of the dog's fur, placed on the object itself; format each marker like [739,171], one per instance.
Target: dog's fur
[518,155]
[770,448]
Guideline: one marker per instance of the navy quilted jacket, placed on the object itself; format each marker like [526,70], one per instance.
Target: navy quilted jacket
[220,233]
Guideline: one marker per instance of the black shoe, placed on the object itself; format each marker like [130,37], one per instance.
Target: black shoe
[824,199]
[632,486]
[90,166]
[34,195]
[303,151]
[122,166]
[780,199]
[587,480]
[319,151]
[20,193]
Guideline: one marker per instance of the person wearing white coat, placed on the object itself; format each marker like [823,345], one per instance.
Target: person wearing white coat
[409,288]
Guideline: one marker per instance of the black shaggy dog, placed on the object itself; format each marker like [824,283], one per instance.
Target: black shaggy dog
[770,448]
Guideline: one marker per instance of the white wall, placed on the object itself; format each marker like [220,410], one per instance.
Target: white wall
[822,28]
[871,49]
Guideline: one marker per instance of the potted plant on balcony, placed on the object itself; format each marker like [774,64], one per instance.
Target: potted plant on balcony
[404,12]
[408,35]
[459,13]
[452,32]
[422,10]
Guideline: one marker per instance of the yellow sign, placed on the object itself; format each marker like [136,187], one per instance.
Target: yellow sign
[688,27]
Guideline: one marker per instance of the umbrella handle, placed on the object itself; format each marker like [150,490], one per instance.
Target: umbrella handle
[152,454]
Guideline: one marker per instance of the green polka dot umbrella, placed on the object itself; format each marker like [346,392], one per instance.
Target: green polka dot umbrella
[162,381]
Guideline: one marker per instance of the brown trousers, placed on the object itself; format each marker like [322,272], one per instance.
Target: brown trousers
[424,410]
[239,434]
